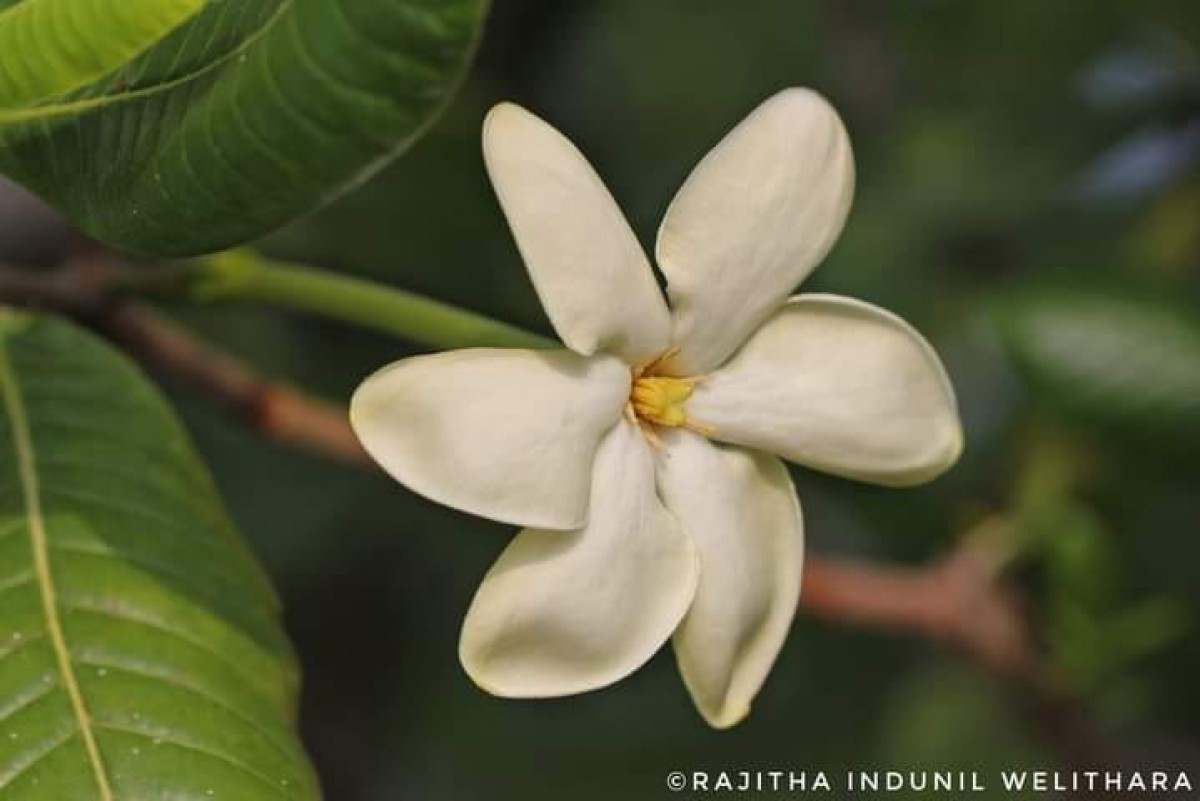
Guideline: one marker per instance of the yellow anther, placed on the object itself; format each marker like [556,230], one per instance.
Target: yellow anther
[659,400]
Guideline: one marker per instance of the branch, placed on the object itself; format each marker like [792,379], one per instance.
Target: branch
[960,600]
[274,409]
[89,290]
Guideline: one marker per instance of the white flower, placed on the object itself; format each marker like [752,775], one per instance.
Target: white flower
[640,458]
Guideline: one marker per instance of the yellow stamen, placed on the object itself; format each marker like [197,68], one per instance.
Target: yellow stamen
[659,400]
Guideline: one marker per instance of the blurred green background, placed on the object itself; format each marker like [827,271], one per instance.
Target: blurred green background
[1028,197]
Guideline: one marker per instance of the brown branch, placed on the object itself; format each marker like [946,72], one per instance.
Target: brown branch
[959,600]
[274,409]
[89,290]
[962,602]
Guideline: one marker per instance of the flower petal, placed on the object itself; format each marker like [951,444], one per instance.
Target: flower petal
[740,509]
[506,434]
[590,272]
[566,612]
[752,221]
[840,386]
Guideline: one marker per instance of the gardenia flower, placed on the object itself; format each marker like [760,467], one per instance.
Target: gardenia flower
[643,458]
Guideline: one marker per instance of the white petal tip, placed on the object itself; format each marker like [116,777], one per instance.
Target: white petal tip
[727,717]
[503,682]
[719,713]
[502,112]
[504,125]
[507,674]
[515,677]
[482,676]
[940,461]
[800,96]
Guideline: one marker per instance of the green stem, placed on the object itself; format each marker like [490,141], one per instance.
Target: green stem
[245,275]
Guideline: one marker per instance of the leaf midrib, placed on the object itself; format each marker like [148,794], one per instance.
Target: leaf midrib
[26,462]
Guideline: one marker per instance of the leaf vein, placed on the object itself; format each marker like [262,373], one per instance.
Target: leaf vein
[171,679]
[20,767]
[164,739]
[27,470]
[152,622]
[16,702]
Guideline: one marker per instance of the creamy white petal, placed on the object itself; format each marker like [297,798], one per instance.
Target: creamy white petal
[740,509]
[506,434]
[841,386]
[753,219]
[566,612]
[588,268]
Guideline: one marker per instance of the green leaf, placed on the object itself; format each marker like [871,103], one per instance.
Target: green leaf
[248,114]
[141,655]
[53,46]
[1112,359]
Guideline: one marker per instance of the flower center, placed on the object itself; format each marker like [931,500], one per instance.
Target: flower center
[659,400]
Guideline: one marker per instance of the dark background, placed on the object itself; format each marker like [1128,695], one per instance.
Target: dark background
[1004,149]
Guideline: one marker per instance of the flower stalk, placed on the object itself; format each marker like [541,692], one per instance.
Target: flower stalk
[244,275]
